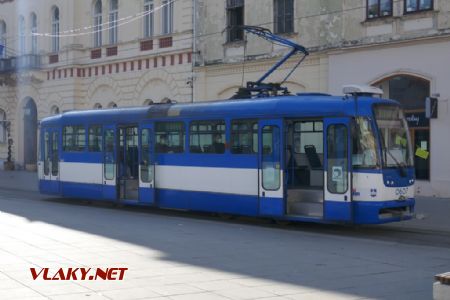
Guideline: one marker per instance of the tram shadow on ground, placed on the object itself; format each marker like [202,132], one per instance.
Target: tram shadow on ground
[313,256]
[385,232]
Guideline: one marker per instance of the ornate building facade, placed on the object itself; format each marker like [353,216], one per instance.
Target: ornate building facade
[67,55]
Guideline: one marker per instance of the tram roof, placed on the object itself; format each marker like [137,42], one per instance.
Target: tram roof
[285,106]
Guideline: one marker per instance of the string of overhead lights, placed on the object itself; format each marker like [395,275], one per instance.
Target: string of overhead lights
[104,26]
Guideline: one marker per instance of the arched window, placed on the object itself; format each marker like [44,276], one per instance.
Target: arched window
[148,19]
[55,29]
[98,23]
[98,106]
[112,105]
[33,24]
[54,110]
[2,126]
[411,92]
[3,38]
[113,17]
[167,17]
[21,35]
[148,102]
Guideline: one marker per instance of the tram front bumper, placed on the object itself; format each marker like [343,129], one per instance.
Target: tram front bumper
[378,212]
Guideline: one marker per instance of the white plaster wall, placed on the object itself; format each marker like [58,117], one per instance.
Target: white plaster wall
[430,60]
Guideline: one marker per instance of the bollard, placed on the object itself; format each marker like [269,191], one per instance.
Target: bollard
[441,288]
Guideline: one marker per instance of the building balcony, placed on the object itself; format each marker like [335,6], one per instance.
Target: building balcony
[18,63]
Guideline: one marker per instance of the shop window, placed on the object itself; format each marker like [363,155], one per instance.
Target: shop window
[411,92]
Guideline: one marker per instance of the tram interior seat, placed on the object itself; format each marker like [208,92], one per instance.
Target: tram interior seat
[316,168]
[313,157]
[237,149]
[195,149]
[207,149]
[218,147]
[162,148]
[241,149]
[176,149]
[246,149]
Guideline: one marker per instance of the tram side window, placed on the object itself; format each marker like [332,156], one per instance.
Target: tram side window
[170,137]
[271,179]
[207,137]
[95,138]
[244,137]
[74,138]
[145,155]
[337,172]
[109,156]
[55,154]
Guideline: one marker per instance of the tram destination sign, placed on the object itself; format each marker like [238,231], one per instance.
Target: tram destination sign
[417,119]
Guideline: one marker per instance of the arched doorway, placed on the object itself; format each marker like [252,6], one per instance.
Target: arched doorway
[411,92]
[30,133]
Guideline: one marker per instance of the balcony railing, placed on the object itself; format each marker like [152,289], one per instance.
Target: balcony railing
[23,62]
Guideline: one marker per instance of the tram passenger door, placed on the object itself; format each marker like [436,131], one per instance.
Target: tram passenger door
[337,175]
[271,187]
[128,163]
[146,165]
[109,163]
[50,151]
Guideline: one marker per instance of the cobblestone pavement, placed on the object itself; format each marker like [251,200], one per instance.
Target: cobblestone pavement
[174,255]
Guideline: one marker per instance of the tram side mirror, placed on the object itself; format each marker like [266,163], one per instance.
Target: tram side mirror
[431,108]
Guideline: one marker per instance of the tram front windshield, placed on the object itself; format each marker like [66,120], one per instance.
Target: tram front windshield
[393,132]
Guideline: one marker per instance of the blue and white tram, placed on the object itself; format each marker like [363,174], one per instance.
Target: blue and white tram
[309,157]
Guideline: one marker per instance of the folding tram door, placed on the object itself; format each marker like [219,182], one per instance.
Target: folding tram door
[146,164]
[50,151]
[128,162]
[338,170]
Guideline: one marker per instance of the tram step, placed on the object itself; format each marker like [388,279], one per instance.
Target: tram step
[312,209]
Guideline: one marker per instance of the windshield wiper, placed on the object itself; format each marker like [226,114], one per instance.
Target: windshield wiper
[401,166]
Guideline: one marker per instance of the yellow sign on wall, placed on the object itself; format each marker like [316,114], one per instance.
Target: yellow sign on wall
[422,153]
